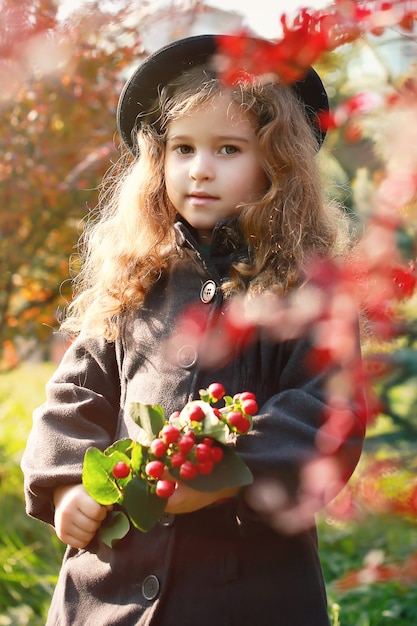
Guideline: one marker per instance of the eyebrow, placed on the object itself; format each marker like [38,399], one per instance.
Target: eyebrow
[231,138]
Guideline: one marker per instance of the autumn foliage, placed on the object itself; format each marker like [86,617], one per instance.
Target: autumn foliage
[60,85]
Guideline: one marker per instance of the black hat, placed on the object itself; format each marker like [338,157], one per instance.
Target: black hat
[160,68]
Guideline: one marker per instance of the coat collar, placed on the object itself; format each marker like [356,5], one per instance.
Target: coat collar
[224,250]
[222,244]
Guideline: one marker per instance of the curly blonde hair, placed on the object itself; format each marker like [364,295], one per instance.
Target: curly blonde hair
[129,241]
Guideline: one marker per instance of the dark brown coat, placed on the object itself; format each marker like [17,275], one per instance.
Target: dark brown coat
[219,566]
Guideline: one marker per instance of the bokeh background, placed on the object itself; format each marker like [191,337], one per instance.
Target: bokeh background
[62,66]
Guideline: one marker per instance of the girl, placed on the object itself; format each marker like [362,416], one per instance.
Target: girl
[222,198]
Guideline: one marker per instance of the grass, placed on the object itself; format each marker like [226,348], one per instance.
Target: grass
[344,547]
[30,553]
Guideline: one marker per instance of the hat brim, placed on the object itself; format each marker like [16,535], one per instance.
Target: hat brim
[160,68]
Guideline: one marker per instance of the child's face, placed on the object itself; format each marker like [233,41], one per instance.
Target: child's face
[212,163]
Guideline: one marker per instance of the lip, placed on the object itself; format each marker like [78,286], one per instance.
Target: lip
[201,198]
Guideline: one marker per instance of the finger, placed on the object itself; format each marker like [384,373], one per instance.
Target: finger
[91,509]
[73,531]
[85,524]
[81,528]
[76,539]
[73,522]
[102,514]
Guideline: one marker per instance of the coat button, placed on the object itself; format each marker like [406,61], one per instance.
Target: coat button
[187,357]
[167,519]
[208,291]
[150,587]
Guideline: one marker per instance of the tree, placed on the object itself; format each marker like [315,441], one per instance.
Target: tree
[60,85]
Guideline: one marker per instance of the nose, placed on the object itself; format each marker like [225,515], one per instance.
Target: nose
[201,166]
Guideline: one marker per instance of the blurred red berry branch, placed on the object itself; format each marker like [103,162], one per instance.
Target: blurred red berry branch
[314,32]
[311,35]
[380,277]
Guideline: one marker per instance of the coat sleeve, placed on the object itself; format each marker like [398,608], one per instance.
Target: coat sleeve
[308,435]
[81,410]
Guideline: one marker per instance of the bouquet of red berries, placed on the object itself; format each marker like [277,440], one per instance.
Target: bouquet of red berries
[190,447]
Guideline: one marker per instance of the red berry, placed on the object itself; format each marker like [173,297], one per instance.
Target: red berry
[121,470]
[208,441]
[244,425]
[188,470]
[239,421]
[155,469]
[205,467]
[170,433]
[216,391]
[216,454]
[250,406]
[186,443]
[203,452]
[195,413]
[246,395]
[165,488]
[177,459]
[174,415]
[217,413]
[234,418]
[158,447]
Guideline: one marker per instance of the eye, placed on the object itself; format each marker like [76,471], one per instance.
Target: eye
[183,149]
[229,150]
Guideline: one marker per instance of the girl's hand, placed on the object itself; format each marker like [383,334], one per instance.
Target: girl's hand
[185,499]
[77,515]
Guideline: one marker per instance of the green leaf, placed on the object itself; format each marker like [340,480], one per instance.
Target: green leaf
[231,471]
[97,476]
[122,445]
[150,419]
[213,427]
[143,507]
[204,395]
[137,457]
[115,527]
